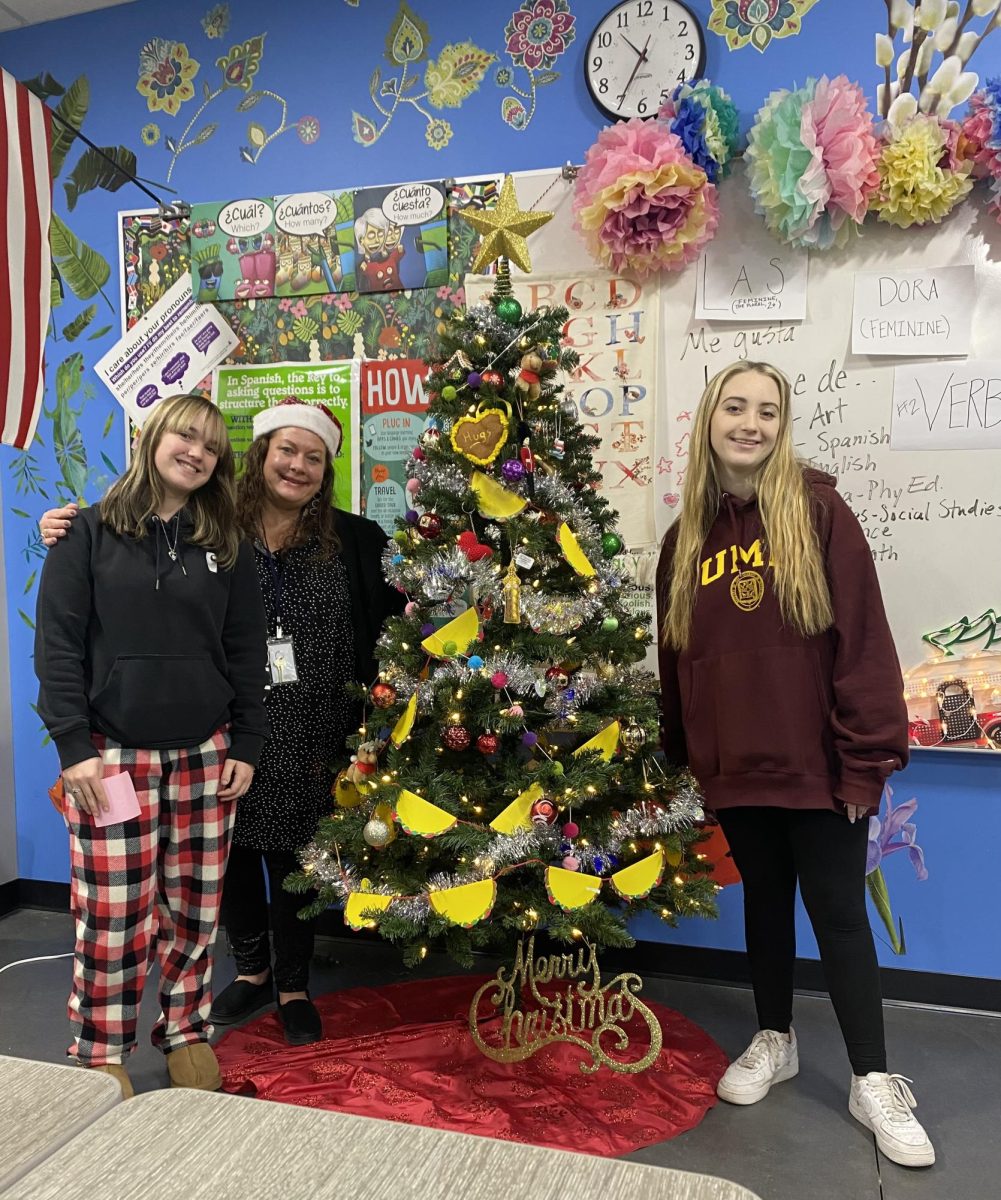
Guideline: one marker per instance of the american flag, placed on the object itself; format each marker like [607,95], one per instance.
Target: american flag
[25,260]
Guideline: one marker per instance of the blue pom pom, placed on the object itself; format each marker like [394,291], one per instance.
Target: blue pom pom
[397,558]
[474,662]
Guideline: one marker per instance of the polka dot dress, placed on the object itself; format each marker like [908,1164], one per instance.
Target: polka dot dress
[309,719]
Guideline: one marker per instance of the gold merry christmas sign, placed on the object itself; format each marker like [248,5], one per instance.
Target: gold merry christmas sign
[579,1010]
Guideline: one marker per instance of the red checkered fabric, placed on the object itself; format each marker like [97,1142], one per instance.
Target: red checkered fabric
[150,886]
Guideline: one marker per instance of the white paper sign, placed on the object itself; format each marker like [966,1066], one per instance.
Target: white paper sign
[753,279]
[167,352]
[947,406]
[924,312]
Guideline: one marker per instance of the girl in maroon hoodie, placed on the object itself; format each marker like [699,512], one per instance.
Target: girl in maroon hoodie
[782,693]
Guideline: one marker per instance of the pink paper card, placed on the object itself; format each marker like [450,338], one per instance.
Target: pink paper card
[121,795]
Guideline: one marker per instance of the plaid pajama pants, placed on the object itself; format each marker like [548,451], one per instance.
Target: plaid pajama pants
[150,886]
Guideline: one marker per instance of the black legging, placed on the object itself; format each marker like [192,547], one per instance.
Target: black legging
[245,915]
[772,848]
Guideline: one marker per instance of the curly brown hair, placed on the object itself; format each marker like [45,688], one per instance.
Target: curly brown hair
[317,519]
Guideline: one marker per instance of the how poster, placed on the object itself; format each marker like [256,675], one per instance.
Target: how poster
[243,391]
[382,239]
[393,403]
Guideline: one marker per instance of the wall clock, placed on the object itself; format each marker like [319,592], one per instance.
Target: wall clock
[639,53]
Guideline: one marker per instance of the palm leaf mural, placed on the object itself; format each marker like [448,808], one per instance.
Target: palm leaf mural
[94,171]
[82,268]
[73,109]
[80,323]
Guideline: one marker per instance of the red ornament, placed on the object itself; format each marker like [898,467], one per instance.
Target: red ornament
[383,695]
[429,525]
[456,737]
[558,676]
[488,743]
[543,812]
[473,550]
[492,379]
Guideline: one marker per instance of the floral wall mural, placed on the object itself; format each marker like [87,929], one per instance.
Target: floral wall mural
[757,22]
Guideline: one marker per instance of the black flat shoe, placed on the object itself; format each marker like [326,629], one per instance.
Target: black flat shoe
[239,999]
[301,1022]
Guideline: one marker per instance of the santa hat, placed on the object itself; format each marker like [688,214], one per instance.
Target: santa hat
[316,418]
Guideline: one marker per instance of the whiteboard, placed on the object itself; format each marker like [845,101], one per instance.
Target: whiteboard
[933,518]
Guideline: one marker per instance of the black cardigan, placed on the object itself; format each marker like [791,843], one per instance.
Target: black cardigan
[372,599]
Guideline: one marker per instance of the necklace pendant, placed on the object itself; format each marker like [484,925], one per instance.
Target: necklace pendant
[173,555]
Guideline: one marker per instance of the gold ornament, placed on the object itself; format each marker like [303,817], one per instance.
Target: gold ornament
[584,1007]
[505,228]
[633,737]
[512,595]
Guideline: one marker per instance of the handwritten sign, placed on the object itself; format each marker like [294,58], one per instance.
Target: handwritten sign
[923,313]
[754,283]
[947,406]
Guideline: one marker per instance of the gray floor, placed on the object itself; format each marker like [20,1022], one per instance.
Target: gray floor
[799,1144]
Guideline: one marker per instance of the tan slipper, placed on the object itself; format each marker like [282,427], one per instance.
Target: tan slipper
[194,1066]
[119,1073]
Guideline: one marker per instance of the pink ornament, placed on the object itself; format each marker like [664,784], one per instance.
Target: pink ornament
[410,608]
[413,487]
[499,679]
[570,863]
[571,829]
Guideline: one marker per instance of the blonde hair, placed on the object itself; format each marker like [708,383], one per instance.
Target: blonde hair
[133,498]
[784,502]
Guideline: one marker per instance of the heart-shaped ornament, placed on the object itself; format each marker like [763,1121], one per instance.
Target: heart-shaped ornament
[480,438]
[471,547]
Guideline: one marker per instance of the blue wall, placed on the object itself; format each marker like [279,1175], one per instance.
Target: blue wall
[319,59]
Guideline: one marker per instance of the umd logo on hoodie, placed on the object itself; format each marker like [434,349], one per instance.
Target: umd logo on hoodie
[747,588]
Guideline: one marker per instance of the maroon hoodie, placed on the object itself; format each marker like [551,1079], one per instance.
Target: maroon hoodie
[761,714]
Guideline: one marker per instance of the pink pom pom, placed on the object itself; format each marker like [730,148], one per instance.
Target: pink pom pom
[499,679]
[413,487]
[571,829]
[419,454]
[410,608]
[570,863]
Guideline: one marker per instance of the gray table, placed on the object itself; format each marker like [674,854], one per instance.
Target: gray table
[170,1144]
[43,1106]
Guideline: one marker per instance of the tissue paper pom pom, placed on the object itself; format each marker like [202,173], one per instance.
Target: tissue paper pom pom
[640,202]
[914,187]
[813,160]
[705,119]
[981,133]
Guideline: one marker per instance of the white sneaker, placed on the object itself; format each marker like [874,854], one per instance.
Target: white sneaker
[770,1058]
[883,1104]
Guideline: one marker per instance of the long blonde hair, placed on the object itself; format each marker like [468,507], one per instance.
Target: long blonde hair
[133,498]
[784,503]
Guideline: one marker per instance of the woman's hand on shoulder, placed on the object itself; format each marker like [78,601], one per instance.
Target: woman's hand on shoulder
[235,779]
[55,523]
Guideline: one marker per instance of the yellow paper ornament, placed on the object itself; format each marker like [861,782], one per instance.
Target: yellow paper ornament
[493,499]
[605,741]
[640,878]
[517,815]
[467,904]
[461,631]
[572,552]
[571,889]
[362,902]
[418,816]
[402,728]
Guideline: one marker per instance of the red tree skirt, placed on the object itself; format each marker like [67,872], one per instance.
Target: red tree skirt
[404,1053]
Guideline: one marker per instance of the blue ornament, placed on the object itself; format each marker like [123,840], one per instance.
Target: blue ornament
[569,694]
[474,662]
[396,559]
[599,863]
[384,733]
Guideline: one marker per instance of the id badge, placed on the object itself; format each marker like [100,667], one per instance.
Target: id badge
[281,661]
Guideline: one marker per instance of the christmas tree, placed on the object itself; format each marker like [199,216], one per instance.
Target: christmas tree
[506,778]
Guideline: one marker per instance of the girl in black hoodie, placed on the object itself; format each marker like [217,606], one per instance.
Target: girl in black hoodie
[783,694]
[150,652]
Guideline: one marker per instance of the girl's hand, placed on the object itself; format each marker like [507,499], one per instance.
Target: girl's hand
[56,522]
[83,787]
[855,812]
[235,779]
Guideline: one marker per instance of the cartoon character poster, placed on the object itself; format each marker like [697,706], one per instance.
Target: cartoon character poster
[401,236]
[383,239]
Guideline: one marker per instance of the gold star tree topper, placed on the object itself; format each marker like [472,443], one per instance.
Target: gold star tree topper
[505,228]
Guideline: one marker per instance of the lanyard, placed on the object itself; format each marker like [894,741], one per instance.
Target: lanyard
[276,569]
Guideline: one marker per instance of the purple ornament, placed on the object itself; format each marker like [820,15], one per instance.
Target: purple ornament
[512,470]
[427,629]
[412,516]
[528,738]
[473,379]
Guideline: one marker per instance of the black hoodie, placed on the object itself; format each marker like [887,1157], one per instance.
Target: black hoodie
[154,652]
[761,714]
